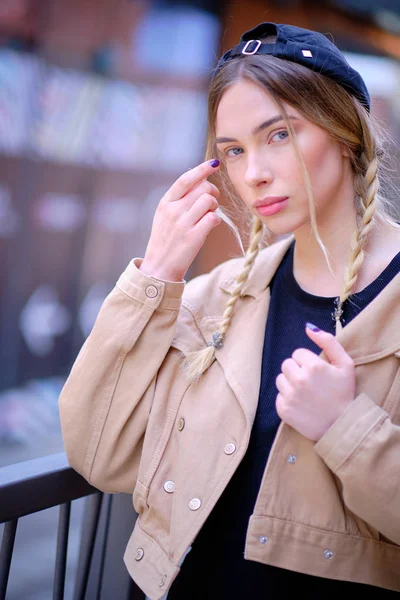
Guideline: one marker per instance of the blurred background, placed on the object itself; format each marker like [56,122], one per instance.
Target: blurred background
[102,106]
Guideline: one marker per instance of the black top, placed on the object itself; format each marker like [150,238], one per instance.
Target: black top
[215,568]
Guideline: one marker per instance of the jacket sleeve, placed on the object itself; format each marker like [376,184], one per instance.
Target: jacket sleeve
[363,448]
[111,385]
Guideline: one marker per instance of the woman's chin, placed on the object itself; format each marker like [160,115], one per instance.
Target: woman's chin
[280,226]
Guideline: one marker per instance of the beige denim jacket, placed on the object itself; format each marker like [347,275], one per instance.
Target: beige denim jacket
[132,423]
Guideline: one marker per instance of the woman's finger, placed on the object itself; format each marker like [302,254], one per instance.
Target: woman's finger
[304,357]
[333,350]
[283,385]
[204,204]
[205,187]
[290,369]
[190,179]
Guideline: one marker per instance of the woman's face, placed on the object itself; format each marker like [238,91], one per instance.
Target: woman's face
[264,168]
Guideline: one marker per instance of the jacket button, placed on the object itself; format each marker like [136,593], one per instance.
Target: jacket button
[230,448]
[139,554]
[181,424]
[195,504]
[151,291]
[169,486]
[263,539]
[328,554]
[291,459]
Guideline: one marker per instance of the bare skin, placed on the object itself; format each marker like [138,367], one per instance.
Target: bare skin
[382,246]
[263,164]
[182,222]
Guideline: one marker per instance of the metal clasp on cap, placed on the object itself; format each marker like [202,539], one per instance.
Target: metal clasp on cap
[258,42]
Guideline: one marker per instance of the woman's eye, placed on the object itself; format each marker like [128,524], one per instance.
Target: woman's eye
[280,135]
[231,152]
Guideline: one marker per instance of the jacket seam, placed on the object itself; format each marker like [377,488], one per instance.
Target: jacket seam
[163,443]
[106,405]
[91,452]
[339,534]
[369,358]
[389,406]
[318,574]
[196,319]
[375,426]
[217,491]
[152,540]
[151,306]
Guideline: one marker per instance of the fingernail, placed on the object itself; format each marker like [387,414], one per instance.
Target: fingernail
[214,163]
[313,327]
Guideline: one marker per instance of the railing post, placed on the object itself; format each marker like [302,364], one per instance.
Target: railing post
[62,546]
[121,519]
[6,551]
[38,484]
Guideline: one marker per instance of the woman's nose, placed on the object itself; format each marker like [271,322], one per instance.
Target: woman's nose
[257,172]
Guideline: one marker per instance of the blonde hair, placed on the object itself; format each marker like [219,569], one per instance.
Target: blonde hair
[340,114]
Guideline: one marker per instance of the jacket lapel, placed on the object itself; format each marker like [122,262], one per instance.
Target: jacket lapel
[241,355]
[375,332]
[370,336]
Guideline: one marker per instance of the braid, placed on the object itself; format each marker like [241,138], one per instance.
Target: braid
[243,276]
[367,188]
[196,363]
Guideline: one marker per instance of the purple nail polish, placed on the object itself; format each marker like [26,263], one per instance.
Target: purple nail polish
[214,163]
[313,327]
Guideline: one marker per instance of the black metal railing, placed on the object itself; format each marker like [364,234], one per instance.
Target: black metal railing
[42,483]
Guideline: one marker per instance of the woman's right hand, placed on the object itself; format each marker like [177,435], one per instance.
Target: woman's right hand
[182,221]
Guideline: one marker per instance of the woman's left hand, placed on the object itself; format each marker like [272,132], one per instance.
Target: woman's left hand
[313,393]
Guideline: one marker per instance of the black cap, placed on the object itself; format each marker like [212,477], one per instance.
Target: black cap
[308,48]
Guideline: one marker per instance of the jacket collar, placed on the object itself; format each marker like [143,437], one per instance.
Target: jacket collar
[370,336]
[373,334]
[241,355]
[263,271]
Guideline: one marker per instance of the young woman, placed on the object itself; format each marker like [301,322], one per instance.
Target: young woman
[262,450]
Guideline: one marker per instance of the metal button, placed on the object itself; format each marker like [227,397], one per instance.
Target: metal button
[291,459]
[181,423]
[151,291]
[263,539]
[169,486]
[230,448]
[195,504]
[328,554]
[139,554]
[162,581]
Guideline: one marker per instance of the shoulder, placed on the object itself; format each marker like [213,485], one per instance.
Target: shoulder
[212,289]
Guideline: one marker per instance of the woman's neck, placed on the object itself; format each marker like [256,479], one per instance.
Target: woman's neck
[310,266]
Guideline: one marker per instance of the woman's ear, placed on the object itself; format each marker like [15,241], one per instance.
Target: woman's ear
[345,150]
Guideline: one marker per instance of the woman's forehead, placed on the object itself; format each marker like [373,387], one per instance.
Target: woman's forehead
[243,106]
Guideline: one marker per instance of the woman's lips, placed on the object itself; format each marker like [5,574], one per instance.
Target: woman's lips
[271,207]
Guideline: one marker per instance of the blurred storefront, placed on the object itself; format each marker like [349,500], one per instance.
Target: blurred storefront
[102,106]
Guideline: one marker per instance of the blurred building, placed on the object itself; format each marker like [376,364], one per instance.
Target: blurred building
[102,106]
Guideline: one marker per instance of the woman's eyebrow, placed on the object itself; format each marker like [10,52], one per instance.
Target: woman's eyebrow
[258,129]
